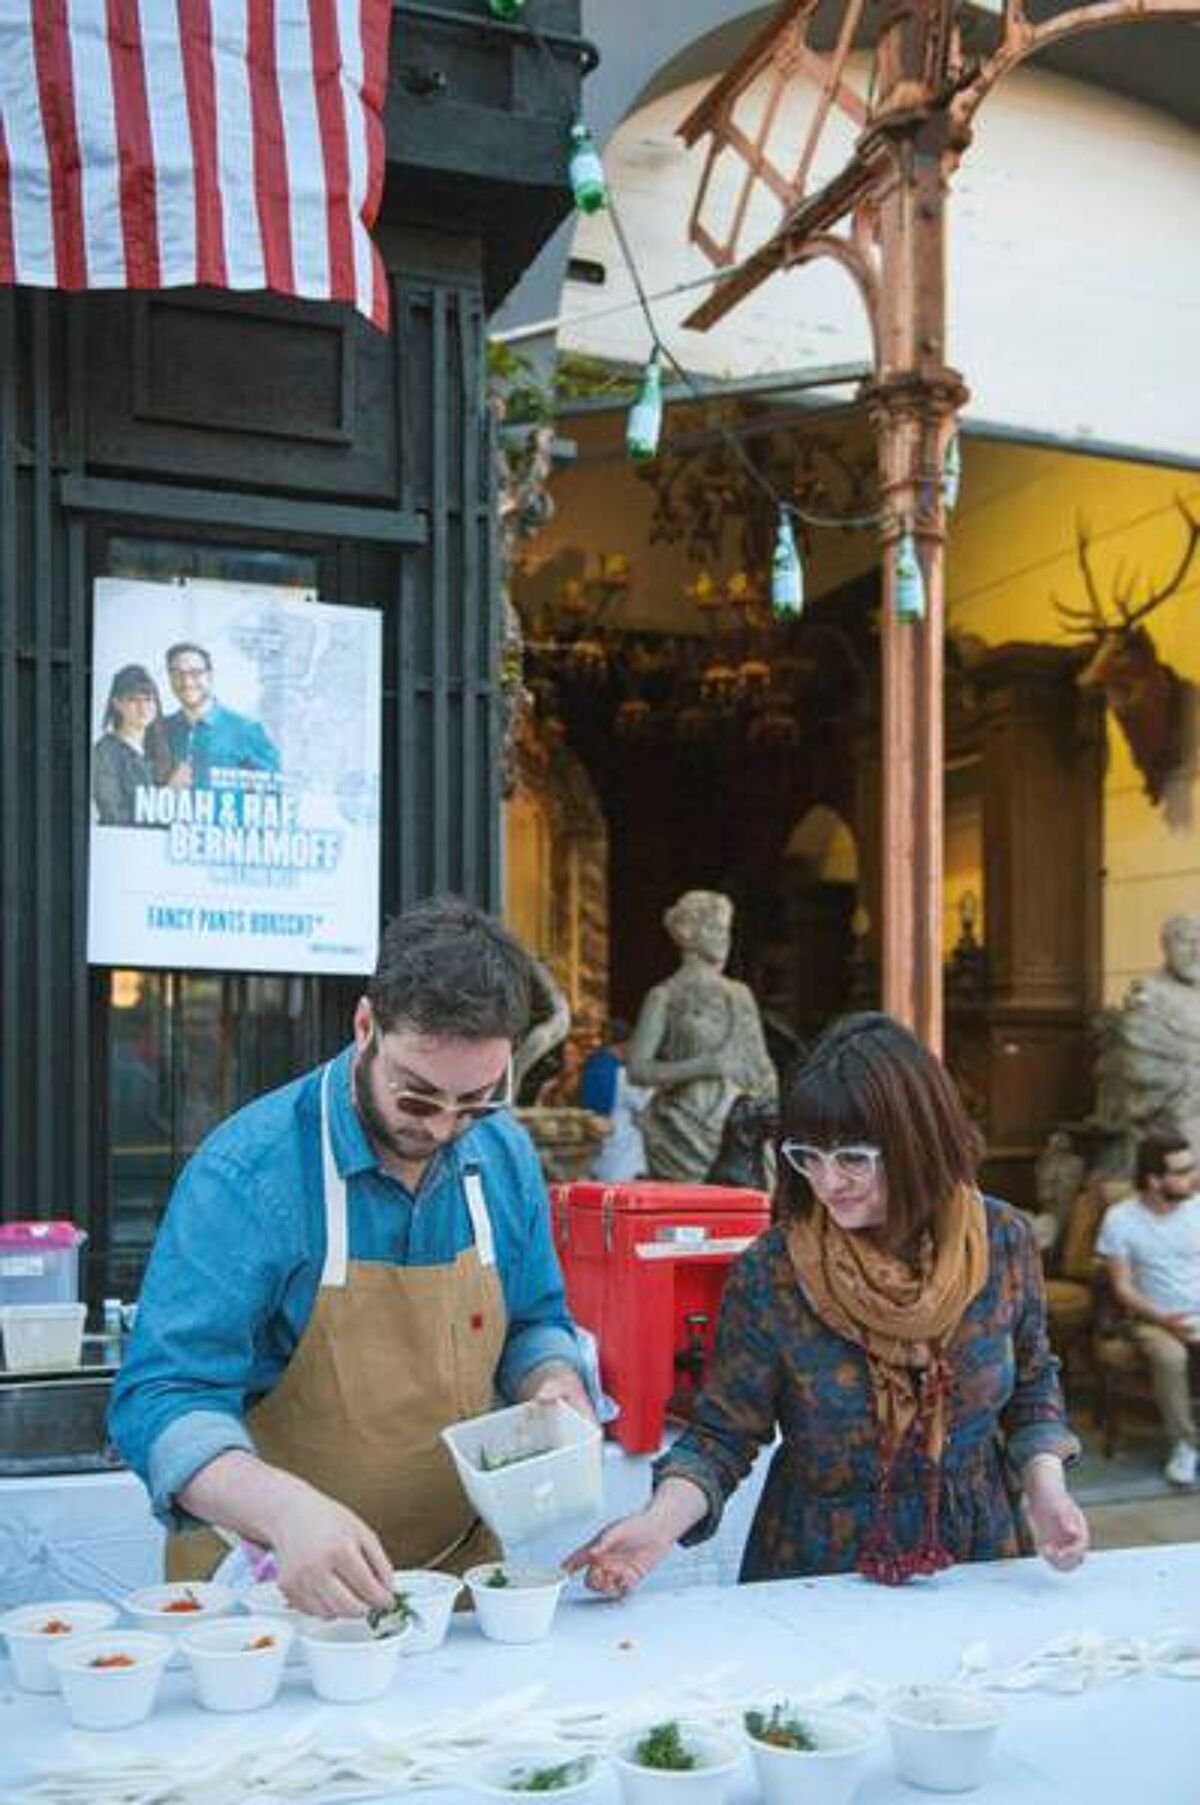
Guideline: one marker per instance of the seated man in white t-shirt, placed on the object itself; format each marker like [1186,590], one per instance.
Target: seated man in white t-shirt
[1151,1243]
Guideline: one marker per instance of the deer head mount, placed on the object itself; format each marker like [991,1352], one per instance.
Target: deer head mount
[1148,698]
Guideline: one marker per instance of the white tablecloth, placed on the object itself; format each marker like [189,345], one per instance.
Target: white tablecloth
[1119,1743]
[91,1535]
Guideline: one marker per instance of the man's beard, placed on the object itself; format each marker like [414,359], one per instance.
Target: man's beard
[383,1136]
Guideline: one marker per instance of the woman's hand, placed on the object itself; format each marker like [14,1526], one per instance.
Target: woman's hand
[1060,1530]
[554,1382]
[621,1556]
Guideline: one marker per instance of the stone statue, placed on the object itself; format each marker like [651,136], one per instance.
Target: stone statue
[1058,1176]
[698,1042]
[1157,1039]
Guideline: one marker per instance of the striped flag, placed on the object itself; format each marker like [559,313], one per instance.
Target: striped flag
[229,143]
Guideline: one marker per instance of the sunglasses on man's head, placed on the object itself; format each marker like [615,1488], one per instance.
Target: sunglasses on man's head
[426,1104]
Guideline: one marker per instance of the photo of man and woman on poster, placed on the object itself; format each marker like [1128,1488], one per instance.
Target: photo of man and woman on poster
[234,778]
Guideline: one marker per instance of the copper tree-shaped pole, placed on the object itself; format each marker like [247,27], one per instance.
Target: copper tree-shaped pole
[890,197]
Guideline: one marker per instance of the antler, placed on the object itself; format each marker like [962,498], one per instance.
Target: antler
[1092,621]
[1189,551]
[1089,621]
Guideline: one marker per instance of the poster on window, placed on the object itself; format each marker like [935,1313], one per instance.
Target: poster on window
[234,779]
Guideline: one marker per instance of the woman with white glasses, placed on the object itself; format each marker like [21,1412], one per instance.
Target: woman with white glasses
[890,1328]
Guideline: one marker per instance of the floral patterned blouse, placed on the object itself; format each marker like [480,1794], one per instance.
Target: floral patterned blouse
[776,1366]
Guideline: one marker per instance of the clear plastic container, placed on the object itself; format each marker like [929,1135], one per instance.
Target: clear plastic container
[529,1468]
[39,1262]
[41,1337]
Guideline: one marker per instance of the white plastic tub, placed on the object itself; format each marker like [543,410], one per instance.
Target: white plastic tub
[42,1337]
[529,1468]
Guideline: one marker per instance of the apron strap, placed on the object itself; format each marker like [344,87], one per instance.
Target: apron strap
[333,1273]
[481,1222]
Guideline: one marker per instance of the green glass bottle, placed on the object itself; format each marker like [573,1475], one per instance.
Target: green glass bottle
[585,171]
[787,572]
[951,472]
[910,581]
[506,9]
[644,426]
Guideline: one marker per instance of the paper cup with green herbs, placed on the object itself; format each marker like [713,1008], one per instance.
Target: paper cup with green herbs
[805,1756]
[671,1762]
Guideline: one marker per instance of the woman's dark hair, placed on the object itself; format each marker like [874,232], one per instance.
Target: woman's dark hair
[447,968]
[869,1080]
[130,680]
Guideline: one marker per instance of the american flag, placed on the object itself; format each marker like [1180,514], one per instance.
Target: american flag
[229,143]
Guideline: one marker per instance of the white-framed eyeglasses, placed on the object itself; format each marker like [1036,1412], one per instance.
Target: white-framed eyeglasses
[856,1163]
[426,1104]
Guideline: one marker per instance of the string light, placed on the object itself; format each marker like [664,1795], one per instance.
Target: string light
[787,572]
[951,472]
[585,171]
[644,426]
[909,581]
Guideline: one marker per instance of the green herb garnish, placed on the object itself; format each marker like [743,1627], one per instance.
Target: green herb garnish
[778,1730]
[550,1779]
[390,1619]
[493,1463]
[662,1747]
[497,1577]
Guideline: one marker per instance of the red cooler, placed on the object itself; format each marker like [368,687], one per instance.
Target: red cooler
[645,1265]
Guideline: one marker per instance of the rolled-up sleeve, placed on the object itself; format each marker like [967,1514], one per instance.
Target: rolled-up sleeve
[539,1323]
[735,1415]
[195,1356]
[1034,1419]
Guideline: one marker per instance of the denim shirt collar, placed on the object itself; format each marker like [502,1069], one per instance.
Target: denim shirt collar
[352,1151]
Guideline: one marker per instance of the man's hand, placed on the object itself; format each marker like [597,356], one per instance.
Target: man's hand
[330,1563]
[555,1382]
[1180,1323]
[1060,1530]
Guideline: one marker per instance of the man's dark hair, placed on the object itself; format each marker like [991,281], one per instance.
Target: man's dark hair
[447,968]
[188,645]
[1153,1152]
[869,1080]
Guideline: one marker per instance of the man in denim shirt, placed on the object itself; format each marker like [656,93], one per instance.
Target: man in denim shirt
[348,1265]
[202,735]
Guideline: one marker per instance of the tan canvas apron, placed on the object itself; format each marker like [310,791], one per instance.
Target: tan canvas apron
[390,1356]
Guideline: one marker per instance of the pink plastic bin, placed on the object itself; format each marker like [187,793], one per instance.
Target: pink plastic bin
[39,1262]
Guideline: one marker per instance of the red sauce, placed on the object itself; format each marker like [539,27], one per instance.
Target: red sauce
[112,1661]
[184,1604]
[260,1642]
[56,1627]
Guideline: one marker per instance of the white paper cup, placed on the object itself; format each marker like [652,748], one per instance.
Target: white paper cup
[346,1663]
[237,1665]
[431,1595]
[31,1642]
[522,1610]
[150,1607]
[708,1783]
[824,1775]
[498,1774]
[941,1736]
[265,1599]
[111,1697]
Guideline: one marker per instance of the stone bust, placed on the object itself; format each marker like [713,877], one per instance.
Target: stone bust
[698,1043]
[1158,1035]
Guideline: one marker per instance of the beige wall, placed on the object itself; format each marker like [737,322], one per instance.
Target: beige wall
[1012,550]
